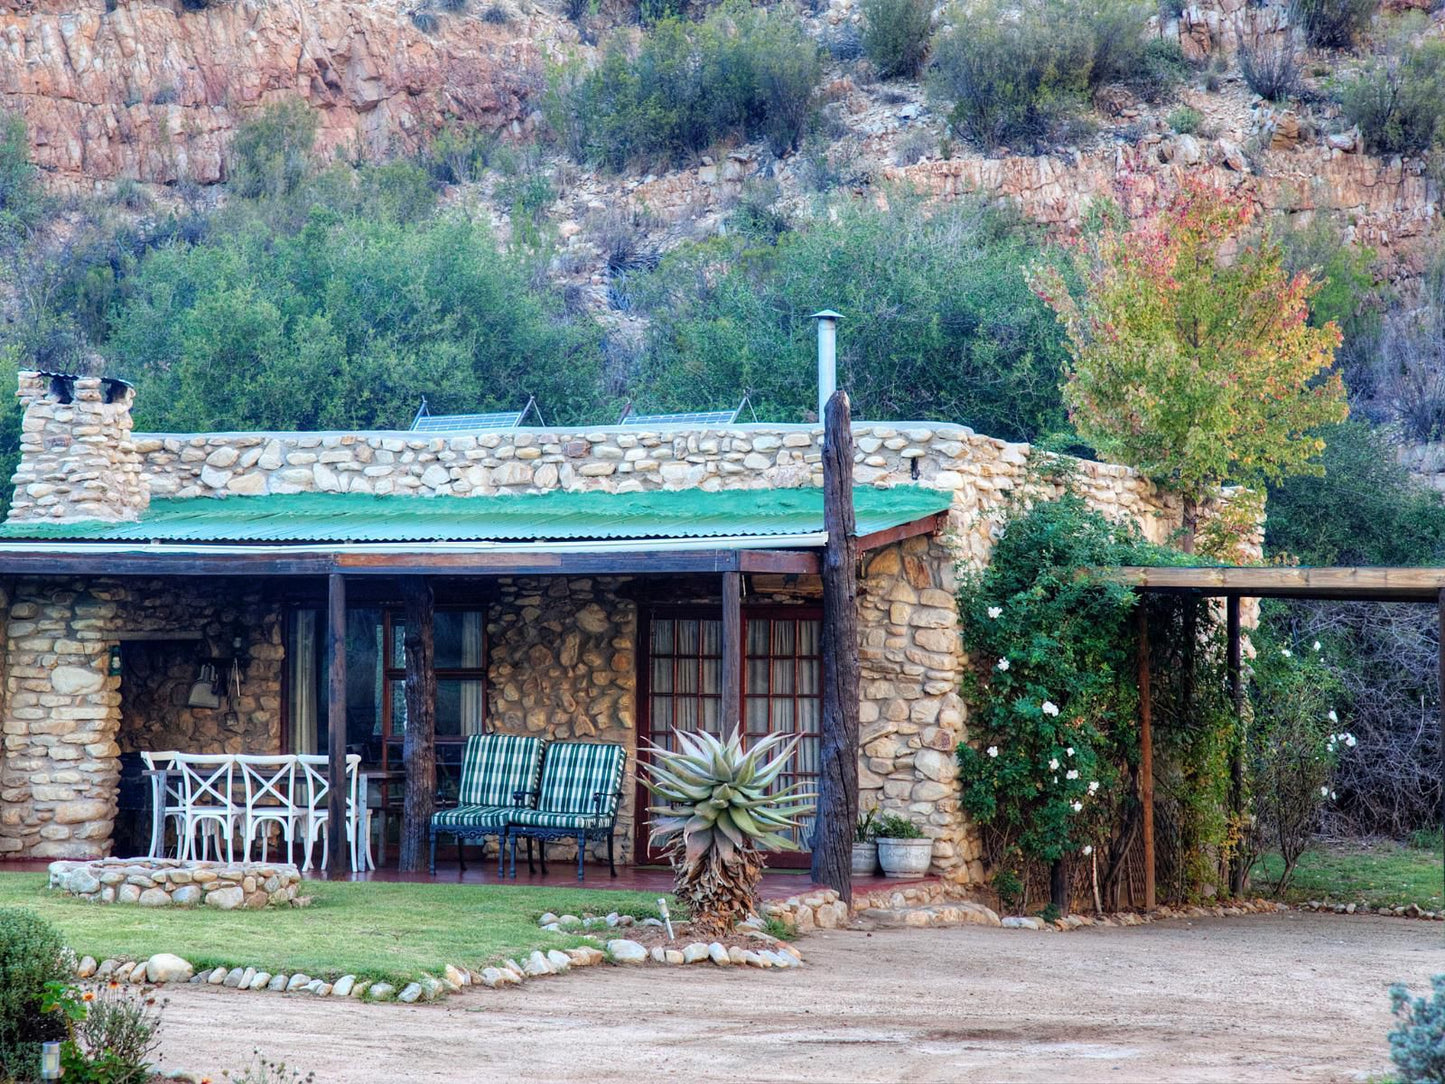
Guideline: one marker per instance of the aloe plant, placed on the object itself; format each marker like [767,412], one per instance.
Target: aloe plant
[717,812]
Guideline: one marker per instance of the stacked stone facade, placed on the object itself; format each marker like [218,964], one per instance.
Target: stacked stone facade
[77,459]
[562,651]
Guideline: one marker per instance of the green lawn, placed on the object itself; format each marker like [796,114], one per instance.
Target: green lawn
[376,931]
[1383,874]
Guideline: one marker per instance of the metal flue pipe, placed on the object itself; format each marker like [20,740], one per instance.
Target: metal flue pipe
[827,357]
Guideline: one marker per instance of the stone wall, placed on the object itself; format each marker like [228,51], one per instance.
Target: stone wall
[169,882]
[62,709]
[77,460]
[561,660]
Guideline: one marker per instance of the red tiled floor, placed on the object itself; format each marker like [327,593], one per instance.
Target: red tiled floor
[776,884]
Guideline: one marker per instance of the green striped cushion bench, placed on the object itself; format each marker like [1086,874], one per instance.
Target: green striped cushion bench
[575,822]
[475,818]
[496,766]
[573,772]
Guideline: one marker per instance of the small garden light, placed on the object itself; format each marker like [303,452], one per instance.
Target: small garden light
[50,1061]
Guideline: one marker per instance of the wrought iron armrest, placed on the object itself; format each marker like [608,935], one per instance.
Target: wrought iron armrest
[519,797]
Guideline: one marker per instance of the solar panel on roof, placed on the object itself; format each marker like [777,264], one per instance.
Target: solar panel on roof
[427,422]
[698,417]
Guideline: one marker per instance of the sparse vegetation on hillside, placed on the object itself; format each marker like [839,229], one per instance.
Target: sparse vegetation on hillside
[1023,73]
[1333,24]
[740,72]
[271,152]
[21,201]
[1398,101]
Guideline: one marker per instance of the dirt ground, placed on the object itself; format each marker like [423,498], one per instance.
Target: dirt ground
[1290,997]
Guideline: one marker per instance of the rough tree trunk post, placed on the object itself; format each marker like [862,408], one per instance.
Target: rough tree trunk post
[1441,650]
[1059,886]
[732,651]
[838,771]
[418,750]
[336,863]
[1234,670]
[1146,758]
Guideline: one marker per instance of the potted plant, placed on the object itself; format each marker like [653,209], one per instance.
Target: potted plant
[865,847]
[903,849]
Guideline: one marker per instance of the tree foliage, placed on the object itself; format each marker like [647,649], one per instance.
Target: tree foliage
[938,322]
[1191,352]
[346,324]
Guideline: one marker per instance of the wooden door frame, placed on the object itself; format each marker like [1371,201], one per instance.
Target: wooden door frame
[646,613]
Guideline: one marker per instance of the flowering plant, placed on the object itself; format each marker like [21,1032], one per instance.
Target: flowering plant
[1052,696]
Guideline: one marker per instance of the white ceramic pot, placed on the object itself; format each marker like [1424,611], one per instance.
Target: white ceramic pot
[905,857]
[865,859]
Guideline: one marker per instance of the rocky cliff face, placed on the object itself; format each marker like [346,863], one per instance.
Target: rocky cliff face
[151,91]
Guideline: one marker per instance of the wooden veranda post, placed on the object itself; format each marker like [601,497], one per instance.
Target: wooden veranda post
[732,644]
[838,771]
[1234,672]
[1146,757]
[1440,649]
[418,748]
[336,863]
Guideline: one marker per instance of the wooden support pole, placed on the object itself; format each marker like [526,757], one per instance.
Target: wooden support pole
[837,815]
[418,747]
[1441,656]
[1146,758]
[336,863]
[1235,678]
[732,652]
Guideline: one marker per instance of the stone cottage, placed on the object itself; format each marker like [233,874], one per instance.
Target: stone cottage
[579,576]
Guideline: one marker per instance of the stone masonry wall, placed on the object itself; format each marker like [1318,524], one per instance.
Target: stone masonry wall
[77,460]
[561,657]
[61,714]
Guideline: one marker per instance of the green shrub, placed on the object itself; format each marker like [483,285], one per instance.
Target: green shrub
[20,197]
[31,955]
[1024,72]
[1417,1045]
[460,154]
[892,826]
[1398,101]
[895,35]
[271,152]
[940,323]
[739,73]
[1184,120]
[1012,73]
[1333,24]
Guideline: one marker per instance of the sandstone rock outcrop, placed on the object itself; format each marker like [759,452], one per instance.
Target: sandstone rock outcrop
[153,92]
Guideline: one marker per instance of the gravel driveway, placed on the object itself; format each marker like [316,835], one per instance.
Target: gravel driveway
[1262,998]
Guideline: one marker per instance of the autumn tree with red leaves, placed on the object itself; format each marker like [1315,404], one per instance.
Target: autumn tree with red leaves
[1191,356]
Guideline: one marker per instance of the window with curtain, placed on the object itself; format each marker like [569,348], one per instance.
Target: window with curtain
[781,680]
[376,680]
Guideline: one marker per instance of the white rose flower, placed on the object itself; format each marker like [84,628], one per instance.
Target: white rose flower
[1003,664]
[1050,708]
[1332,717]
[1333,796]
[1053,764]
[1071,774]
[1350,740]
[1324,792]
[995,611]
[1088,848]
[993,750]
[1070,750]
[1093,786]
[1286,652]
[1316,645]
[1078,807]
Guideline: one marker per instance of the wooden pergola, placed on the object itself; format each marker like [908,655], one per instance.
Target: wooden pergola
[1339,584]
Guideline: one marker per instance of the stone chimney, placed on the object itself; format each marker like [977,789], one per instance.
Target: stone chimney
[77,459]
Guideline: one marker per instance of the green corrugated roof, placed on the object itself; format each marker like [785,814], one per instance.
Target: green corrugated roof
[542,517]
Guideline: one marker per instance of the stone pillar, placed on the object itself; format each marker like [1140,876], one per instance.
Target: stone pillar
[61,711]
[910,712]
[77,458]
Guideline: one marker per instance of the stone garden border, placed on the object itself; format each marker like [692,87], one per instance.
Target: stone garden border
[171,882]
